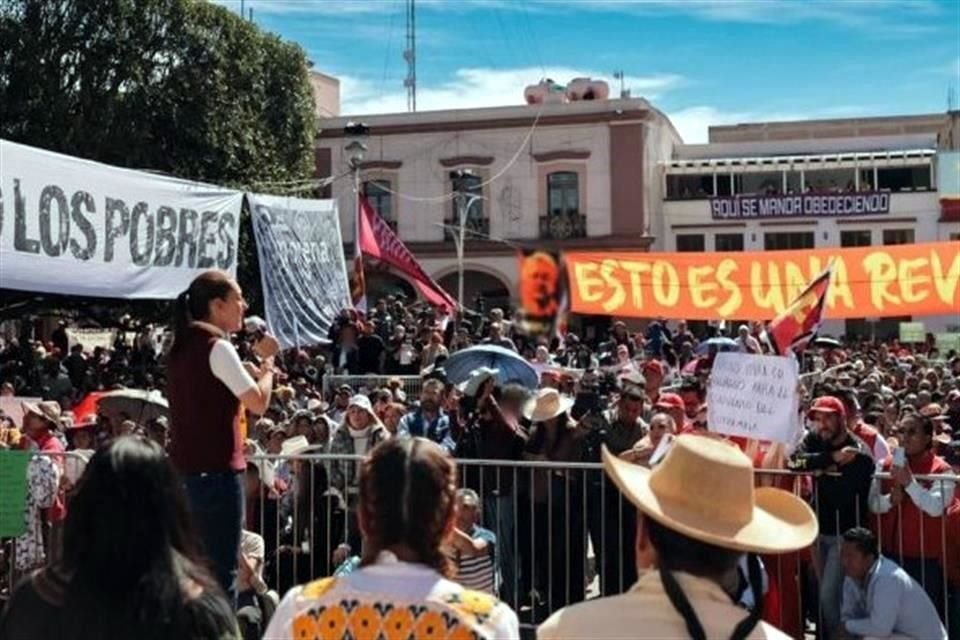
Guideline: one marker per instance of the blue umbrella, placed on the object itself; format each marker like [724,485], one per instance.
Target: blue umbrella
[721,343]
[509,365]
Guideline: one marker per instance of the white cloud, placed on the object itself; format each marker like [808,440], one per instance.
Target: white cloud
[471,88]
[864,14]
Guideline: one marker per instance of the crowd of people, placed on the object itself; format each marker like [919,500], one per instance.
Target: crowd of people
[338,465]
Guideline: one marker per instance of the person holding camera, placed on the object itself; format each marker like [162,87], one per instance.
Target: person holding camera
[208,389]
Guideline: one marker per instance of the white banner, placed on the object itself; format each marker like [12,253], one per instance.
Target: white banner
[79,227]
[301,266]
[754,397]
[90,339]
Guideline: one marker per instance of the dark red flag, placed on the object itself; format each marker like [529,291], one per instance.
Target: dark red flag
[793,329]
[377,240]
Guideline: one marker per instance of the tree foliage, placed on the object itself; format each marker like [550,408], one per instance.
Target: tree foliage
[183,87]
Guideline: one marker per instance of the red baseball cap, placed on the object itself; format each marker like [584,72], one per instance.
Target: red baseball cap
[653,365]
[669,401]
[828,404]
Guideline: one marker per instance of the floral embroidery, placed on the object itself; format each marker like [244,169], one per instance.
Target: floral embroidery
[365,623]
[333,622]
[317,588]
[305,627]
[398,624]
[431,626]
[476,602]
[461,632]
[449,616]
[43,478]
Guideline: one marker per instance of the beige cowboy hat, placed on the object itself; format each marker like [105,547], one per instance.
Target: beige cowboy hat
[265,467]
[48,410]
[545,404]
[704,489]
[471,386]
[297,445]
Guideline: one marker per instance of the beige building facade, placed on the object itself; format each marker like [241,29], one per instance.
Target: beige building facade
[569,176]
[894,158]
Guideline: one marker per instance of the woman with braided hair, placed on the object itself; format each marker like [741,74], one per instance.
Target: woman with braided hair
[406,511]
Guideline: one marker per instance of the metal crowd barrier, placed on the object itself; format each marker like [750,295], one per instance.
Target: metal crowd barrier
[410,384]
[563,534]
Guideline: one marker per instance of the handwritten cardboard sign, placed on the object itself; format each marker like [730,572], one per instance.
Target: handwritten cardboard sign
[754,396]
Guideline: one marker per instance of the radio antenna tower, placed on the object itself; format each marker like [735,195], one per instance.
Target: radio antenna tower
[410,55]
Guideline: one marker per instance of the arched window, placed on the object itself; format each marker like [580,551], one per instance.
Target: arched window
[563,193]
[379,196]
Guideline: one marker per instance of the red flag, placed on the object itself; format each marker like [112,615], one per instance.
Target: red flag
[377,240]
[793,329]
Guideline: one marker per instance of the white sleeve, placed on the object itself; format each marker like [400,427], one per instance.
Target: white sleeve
[281,624]
[506,625]
[879,501]
[226,366]
[881,450]
[932,501]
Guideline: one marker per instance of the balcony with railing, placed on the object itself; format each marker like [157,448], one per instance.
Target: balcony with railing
[563,226]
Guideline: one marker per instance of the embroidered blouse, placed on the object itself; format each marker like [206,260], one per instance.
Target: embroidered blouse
[393,600]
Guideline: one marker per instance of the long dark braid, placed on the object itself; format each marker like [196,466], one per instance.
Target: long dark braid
[755,579]
[682,604]
[407,494]
[677,552]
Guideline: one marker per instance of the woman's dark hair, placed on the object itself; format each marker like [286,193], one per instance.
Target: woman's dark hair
[129,556]
[677,552]
[194,303]
[407,497]
[925,423]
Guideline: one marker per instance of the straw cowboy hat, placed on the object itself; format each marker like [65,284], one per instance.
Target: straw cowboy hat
[297,445]
[264,467]
[546,404]
[48,410]
[704,489]
[478,376]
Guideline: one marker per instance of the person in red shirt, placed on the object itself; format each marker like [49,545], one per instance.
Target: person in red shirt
[672,404]
[40,420]
[912,521]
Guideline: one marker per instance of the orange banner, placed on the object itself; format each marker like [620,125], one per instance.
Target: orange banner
[868,282]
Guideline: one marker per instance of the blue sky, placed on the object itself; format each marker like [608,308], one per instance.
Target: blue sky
[701,62]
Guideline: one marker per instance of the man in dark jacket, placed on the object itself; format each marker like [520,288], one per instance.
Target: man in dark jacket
[841,495]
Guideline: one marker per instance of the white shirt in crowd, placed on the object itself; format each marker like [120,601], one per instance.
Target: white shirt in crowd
[892,605]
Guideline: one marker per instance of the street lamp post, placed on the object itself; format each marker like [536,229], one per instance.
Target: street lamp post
[357,133]
[464,202]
